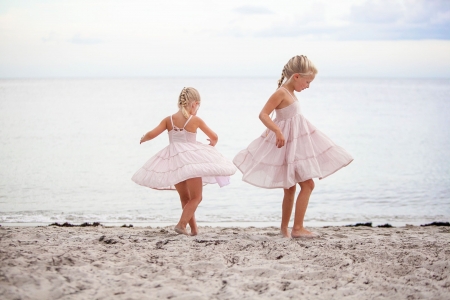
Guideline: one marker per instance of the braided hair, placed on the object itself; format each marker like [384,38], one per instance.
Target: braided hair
[280,81]
[182,103]
[298,64]
[187,95]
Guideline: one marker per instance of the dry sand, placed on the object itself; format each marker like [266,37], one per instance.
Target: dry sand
[224,263]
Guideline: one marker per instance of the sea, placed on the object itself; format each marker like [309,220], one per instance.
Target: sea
[69,147]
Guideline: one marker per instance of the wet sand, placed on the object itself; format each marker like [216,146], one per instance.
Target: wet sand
[224,263]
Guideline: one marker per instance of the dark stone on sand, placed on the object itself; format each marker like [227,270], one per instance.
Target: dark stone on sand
[437,224]
[110,241]
[128,226]
[385,226]
[368,224]
[85,224]
[209,242]
[95,224]
[62,225]
[160,244]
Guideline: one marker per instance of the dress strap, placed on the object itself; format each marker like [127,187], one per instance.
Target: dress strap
[171,121]
[288,92]
[187,121]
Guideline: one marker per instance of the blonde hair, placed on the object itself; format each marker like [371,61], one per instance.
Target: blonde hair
[187,96]
[298,64]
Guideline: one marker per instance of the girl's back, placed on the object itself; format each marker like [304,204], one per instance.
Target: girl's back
[185,164]
[184,157]
[179,121]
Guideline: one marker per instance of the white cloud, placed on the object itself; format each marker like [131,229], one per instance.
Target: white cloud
[377,12]
[79,39]
[221,38]
[253,10]
[358,20]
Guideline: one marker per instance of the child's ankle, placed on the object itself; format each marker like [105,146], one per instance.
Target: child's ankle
[297,228]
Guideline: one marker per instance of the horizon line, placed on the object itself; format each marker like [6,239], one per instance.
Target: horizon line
[207,77]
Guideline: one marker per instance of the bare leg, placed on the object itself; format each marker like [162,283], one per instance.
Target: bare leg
[288,204]
[184,198]
[195,187]
[300,209]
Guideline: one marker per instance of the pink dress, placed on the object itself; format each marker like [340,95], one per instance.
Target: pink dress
[307,154]
[184,158]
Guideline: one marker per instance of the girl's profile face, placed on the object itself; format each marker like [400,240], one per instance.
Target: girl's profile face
[302,82]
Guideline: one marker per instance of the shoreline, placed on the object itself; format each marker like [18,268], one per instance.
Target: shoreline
[104,262]
[220,224]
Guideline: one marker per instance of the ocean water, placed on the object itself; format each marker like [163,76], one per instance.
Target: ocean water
[69,147]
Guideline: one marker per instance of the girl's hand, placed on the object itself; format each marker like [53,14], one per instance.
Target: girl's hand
[142,139]
[212,142]
[280,139]
[212,136]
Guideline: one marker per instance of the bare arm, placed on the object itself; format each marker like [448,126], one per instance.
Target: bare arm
[271,104]
[213,138]
[155,132]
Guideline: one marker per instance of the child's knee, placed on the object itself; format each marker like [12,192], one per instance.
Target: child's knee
[185,197]
[308,184]
[196,200]
[184,200]
[290,192]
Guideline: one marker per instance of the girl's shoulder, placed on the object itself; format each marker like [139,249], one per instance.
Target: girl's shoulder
[196,120]
[278,96]
[166,120]
[281,91]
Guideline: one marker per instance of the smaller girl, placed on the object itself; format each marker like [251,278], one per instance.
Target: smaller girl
[185,165]
[291,151]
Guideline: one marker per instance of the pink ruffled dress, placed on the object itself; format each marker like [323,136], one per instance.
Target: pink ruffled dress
[307,154]
[184,158]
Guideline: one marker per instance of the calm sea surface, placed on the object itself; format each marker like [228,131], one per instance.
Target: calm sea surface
[68,149]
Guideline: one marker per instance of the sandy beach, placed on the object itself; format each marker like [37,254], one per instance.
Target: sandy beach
[52,262]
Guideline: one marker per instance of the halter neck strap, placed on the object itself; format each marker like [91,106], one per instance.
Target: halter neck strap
[190,117]
[288,92]
[174,126]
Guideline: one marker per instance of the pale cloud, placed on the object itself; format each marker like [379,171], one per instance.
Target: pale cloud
[116,38]
[376,12]
[50,37]
[78,39]
[359,20]
[400,19]
[253,10]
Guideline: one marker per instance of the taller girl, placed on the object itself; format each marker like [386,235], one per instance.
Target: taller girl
[291,150]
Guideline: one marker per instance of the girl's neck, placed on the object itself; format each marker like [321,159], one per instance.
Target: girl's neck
[186,114]
[288,87]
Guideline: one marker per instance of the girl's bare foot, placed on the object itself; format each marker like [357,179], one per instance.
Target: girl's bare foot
[303,233]
[194,233]
[285,232]
[180,230]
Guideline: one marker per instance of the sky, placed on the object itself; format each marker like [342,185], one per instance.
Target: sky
[233,38]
